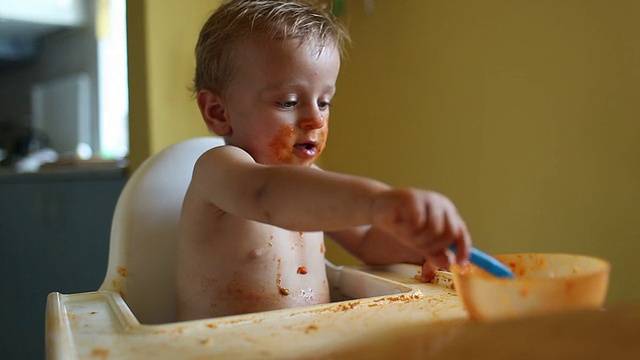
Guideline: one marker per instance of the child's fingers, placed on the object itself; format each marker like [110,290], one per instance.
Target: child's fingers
[455,233]
[458,236]
[439,239]
[428,272]
[440,259]
[438,244]
[463,245]
[436,219]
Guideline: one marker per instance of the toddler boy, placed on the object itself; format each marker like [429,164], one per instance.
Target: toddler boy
[256,211]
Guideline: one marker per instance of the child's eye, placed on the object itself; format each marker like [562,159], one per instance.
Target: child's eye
[288,104]
[324,105]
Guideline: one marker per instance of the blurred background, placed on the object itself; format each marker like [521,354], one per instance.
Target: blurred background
[524,113]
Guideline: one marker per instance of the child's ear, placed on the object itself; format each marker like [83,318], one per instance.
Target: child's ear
[213,112]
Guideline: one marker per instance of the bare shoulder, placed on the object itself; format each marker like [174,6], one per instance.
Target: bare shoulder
[226,176]
[223,155]
[226,164]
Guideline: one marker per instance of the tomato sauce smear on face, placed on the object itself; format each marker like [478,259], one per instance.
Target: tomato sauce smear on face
[282,144]
[284,148]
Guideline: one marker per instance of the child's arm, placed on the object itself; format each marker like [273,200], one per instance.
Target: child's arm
[289,196]
[308,199]
[377,247]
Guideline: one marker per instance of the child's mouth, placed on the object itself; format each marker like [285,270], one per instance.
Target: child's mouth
[307,149]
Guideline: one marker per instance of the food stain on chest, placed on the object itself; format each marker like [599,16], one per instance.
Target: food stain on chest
[298,241]
[282,145]
[308,295]
[283,290]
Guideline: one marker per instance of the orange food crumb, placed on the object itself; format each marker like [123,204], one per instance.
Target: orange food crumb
[302,270]
[521,272]
[310,328]
[102,352]
[122,271]
[283,290]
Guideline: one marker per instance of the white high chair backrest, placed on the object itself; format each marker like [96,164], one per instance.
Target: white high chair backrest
[144,231]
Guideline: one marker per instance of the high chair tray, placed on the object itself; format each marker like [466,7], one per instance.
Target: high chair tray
[366,301]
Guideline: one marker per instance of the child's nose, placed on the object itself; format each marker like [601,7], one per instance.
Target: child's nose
[313,122]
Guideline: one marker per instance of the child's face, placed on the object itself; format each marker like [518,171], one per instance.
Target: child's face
[277,104]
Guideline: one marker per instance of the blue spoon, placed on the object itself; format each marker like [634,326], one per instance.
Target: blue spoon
[487,263]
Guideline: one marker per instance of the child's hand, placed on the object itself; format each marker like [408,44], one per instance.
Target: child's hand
[425,221]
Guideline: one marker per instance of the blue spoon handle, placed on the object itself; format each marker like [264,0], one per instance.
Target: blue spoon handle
[488,263]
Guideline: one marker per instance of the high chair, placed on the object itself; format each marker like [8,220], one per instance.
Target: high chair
[131,315]
[144,232]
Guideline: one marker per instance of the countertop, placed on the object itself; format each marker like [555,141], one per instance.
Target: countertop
[89,170]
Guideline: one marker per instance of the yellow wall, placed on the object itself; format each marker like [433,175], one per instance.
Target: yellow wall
[161,41]
[523,112]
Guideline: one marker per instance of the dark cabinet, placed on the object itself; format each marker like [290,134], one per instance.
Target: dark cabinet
[54,236]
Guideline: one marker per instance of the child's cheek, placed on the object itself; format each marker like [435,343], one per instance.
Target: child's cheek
[282,144]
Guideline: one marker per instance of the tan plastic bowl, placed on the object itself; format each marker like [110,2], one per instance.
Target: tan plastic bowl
[544,283]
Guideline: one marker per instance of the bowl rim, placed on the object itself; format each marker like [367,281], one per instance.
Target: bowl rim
[606,268]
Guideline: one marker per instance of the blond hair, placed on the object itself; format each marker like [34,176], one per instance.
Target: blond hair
[239,20]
